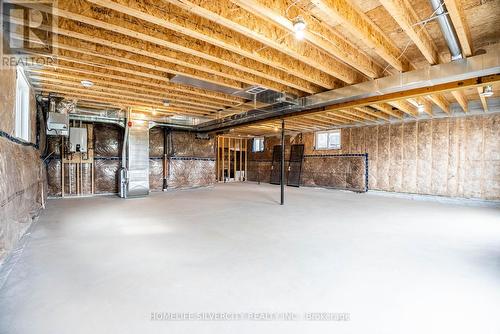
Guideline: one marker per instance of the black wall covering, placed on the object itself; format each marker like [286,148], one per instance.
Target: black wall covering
[276,166]
[295,165]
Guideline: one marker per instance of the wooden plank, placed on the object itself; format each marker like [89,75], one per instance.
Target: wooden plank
[440,101]
[396,96]
[97,47]
[223,158]
[405,107]
[375,113]
[116,73]
[484,103]
[200,27]
[404,14]
[246,23]
[98,88]
[388,109]
[234,160]
[361,26]
[426,103]
[246,159]
[359,114]
[317,34]
[457,16]
[143,89]
[117,101]
[339,114]
[241,158]
[136,31]
[461,99]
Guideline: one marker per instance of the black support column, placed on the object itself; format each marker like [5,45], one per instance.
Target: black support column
[282,176]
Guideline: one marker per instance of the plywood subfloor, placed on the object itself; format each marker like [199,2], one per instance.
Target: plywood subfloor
[102,265]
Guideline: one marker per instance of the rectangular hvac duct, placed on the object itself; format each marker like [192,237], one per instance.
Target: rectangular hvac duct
[138,159]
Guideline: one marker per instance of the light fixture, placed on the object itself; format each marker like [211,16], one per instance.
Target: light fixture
[421,108]
[276,129]
[166,102]
[87,83]
[299,26]
[153,112]
[487,91]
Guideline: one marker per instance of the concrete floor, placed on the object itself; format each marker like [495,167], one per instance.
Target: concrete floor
[102,265]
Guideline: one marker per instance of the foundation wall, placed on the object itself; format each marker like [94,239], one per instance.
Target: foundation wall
[22,177]
[455,157]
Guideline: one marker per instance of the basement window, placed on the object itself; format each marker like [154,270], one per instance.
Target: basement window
[22,130]
[327,140]
[258,144]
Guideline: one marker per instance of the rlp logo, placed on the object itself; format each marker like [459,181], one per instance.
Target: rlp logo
[27,27]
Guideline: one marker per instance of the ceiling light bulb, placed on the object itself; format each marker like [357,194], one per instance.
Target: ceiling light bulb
[166,102]
[487,91]
[87,83]
[299,34]
[299,26]
[421,108]
[154,112]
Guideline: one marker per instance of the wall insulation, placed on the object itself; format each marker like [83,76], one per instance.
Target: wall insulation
[156,155]
[107,144]
[456,157]
[22,178]
[191,161]
[335,170]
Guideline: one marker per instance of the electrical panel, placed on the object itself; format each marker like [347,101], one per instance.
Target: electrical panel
[57,124]
[78,140]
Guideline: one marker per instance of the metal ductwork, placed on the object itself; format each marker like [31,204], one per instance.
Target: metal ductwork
[463,69]
[447,29]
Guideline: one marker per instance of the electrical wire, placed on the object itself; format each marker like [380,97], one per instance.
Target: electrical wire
[290,6]
[424,23]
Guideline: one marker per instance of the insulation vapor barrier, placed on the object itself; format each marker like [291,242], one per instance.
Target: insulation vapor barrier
[156,155]
[196,169]
[454,157]
[339,172]
[107,144]
[106,175]
[192,161]
[22,181]
[108,140]
[191,173]
[185,144]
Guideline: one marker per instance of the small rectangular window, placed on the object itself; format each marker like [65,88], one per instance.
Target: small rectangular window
[327,140]
[22,130]
[258,144]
